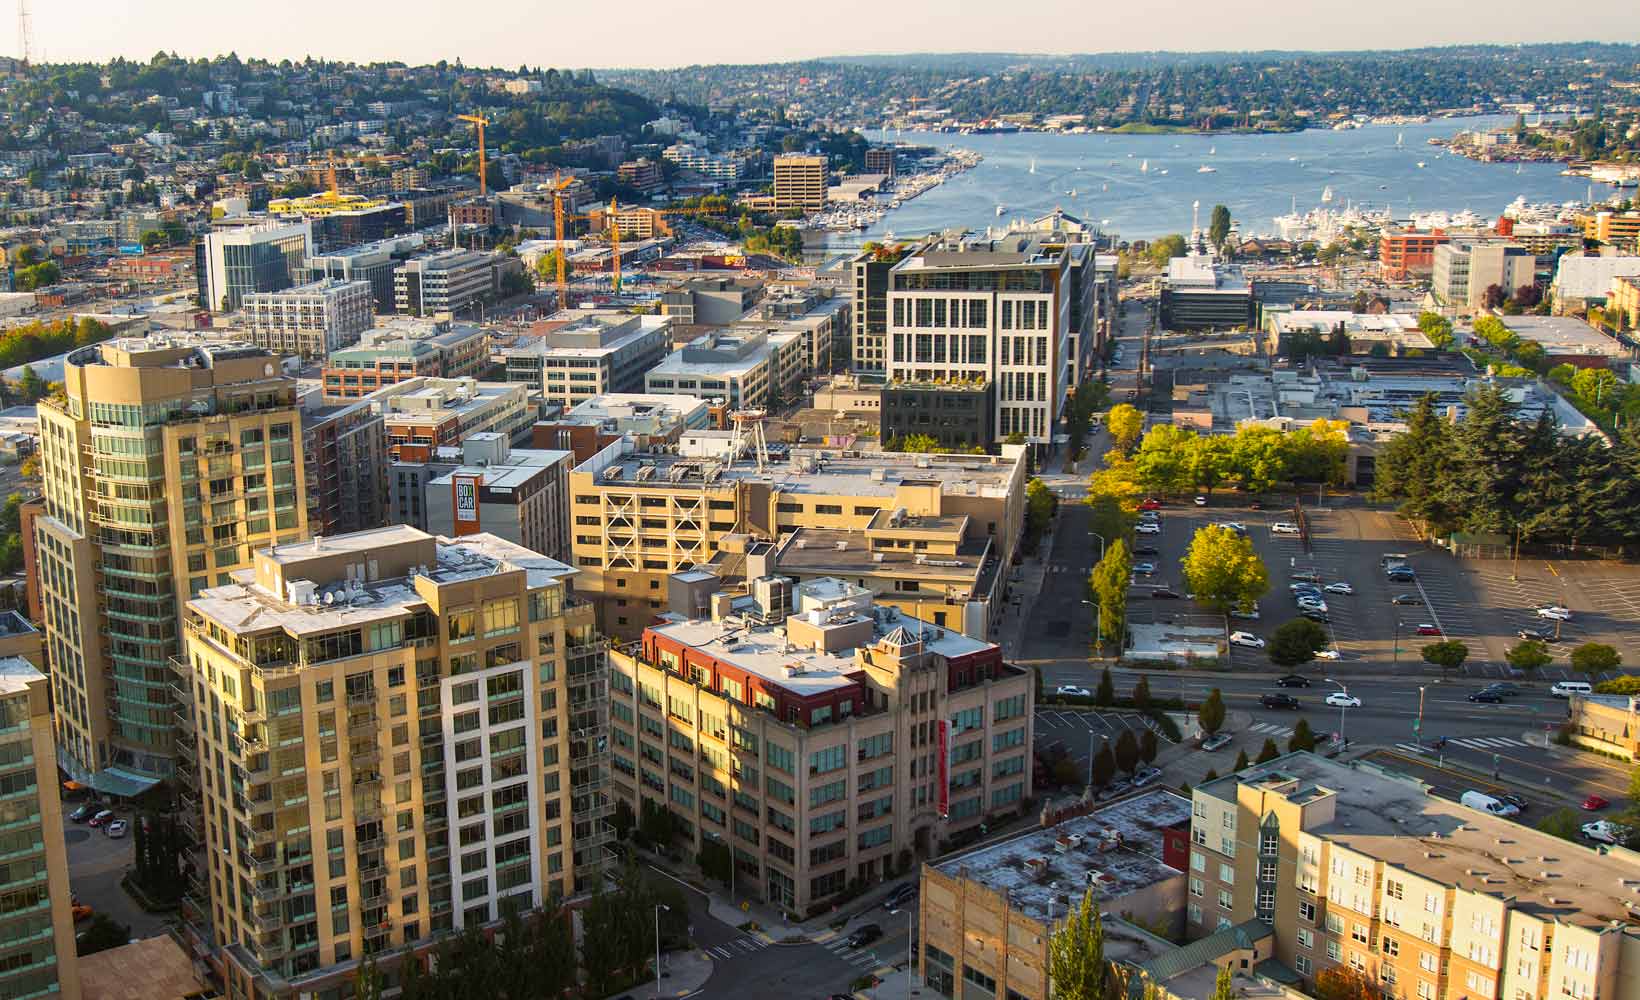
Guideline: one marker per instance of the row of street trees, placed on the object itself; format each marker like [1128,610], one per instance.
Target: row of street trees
[1494,474]
[1173,461]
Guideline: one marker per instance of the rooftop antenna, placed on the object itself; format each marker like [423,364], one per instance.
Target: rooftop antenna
[25,31]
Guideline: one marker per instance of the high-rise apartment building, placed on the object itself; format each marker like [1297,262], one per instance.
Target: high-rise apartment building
[639,517]
[800,182]
[165,464]
[1430,899]
[1015,312]
[346,457]
[870,350]
[309,320]
[398,736]
[818,736]
[37,950]
[232,263]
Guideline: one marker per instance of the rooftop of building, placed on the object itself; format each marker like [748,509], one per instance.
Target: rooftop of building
[811,470]
[1200,274]
[321,286]
[1024,250]
[173,350]
[1115,850]
[423,399]
[450,260]
[619,406]
[589,334]
[726,354]
[1565,335]
[16,674]
[246,606]
[13,623]
[515,471]
[808,551]
[1395,820]
[766,652]
[155,968]
[408,337]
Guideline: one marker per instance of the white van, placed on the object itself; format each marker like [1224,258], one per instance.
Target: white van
[1487,804]
[1565,689]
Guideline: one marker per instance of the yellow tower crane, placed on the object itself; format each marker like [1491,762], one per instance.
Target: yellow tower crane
[480,121]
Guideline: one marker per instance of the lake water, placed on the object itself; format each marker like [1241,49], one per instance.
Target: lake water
[1258,176]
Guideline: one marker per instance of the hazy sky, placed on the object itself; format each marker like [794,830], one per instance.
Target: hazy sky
[576,33]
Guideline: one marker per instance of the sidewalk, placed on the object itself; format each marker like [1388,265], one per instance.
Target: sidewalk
[682,973]
[899,984]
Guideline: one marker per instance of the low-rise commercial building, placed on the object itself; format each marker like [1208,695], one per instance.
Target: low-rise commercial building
[522,496]
[1386,334]
[1619,229]
[710,301]
[425,414]
[822,738]
[1465,269]
[1609,723]
[1201,294]
[1567,340]
[651,420]
[1582,281]
[1353,867]
[448,282]
[596,352]
[960,415]
[1623,303]
[987,916]
[309,320]
[740,370]
[1408,253]
[386,700]
[402,349]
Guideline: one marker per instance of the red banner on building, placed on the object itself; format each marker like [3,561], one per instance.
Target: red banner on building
[944,756]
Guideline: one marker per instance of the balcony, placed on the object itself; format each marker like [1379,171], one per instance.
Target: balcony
[262,865]
[373,842]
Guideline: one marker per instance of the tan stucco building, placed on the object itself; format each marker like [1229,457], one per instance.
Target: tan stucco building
[385,724]
[166,463]
[1609,723]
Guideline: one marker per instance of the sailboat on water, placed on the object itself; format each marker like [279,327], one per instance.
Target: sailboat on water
[1400,139]
[1144,167]
[1033,166]
[1327,193]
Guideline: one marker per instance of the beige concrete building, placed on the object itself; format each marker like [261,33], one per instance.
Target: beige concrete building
[987,915]
[37,954]
[800,182]
[1431,900]
[388,724]
[823,746]
[166,463]
[637,517]
[1609,723]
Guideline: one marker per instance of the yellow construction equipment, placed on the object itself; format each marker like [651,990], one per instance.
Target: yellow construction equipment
[480,121]
[559,217]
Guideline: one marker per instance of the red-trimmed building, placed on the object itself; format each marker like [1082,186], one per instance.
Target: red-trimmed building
[822,738]
[1405,253]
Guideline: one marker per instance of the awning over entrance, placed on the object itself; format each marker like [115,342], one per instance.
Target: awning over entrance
[121,783]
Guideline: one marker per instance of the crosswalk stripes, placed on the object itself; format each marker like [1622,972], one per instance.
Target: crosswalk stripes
[1271,729]
[1409,747]
[1488,742]
[862,958]
[737,947]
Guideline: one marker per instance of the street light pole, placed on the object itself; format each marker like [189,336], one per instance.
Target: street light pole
[1341,710]
[658,908]
[1418,729]
[1101,544]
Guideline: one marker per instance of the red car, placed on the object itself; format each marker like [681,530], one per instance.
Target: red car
[1428,630]
[1150,503]
[1594,803]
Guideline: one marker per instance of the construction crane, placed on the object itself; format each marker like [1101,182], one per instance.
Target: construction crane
[559,217]
[480,121]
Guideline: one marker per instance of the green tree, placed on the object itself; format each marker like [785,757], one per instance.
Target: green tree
[1211,714]
[1595,658]
[1221,568]
[1127,751]
[1528,656]
[715,860]
[1564,823]
[1110,582]
[1103,768]
[1224,987]
[1268,752]
[31,385]
[1242,763]
[1148,746]
[925,444]
[1166,248]
[1448,654]
[1076,954]
[1340,982]
[1125,423]
[1141,693]
[1218,229]
[1303,737]
[1105,694]
[1296,642]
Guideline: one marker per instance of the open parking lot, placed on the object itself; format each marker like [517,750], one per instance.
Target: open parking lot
[1080,731]
[1470,599]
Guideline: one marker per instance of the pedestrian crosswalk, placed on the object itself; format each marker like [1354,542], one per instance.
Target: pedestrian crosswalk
[737,948]
[1491,743]
[1271,729]
[864,958]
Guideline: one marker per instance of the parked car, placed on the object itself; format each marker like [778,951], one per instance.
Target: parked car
[1244,614]
[1605,832]
[1305,576]
[1148,528]
[864,935]
[1339,699]
[117,828]
[1150,503]
[899,897]
[1400,574]
[85,811]
[1412,599]
[1536,634]
[1308,603]
[1218,741]
[1304,588]
[1554,612]
[1320,617]
[1284,528]
[1278,701]
[1150,517]
[1164,594]
[1147,776]
[1328,654]
[103,816]
[1519,803]
[1247,639]
[1201,501]
[1489,697]
[1072,691]
[1595,803]
[1144,568]
[1236,526]
[1425,628]
[1292,681]
[1339,588]
[1147,550]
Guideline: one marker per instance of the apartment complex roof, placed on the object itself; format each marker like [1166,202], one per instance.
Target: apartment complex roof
[1396,820]
[1114,850]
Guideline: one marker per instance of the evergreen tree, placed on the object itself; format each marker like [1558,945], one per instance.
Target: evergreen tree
[1211,714]
[1105,695]
[1076,954]
[1147,746]
[1104,766]
[1127,751]
[1242,762]
[1268,752]
[1303,738]
[1141,693]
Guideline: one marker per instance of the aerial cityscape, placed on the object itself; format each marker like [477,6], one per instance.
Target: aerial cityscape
[1080,506]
